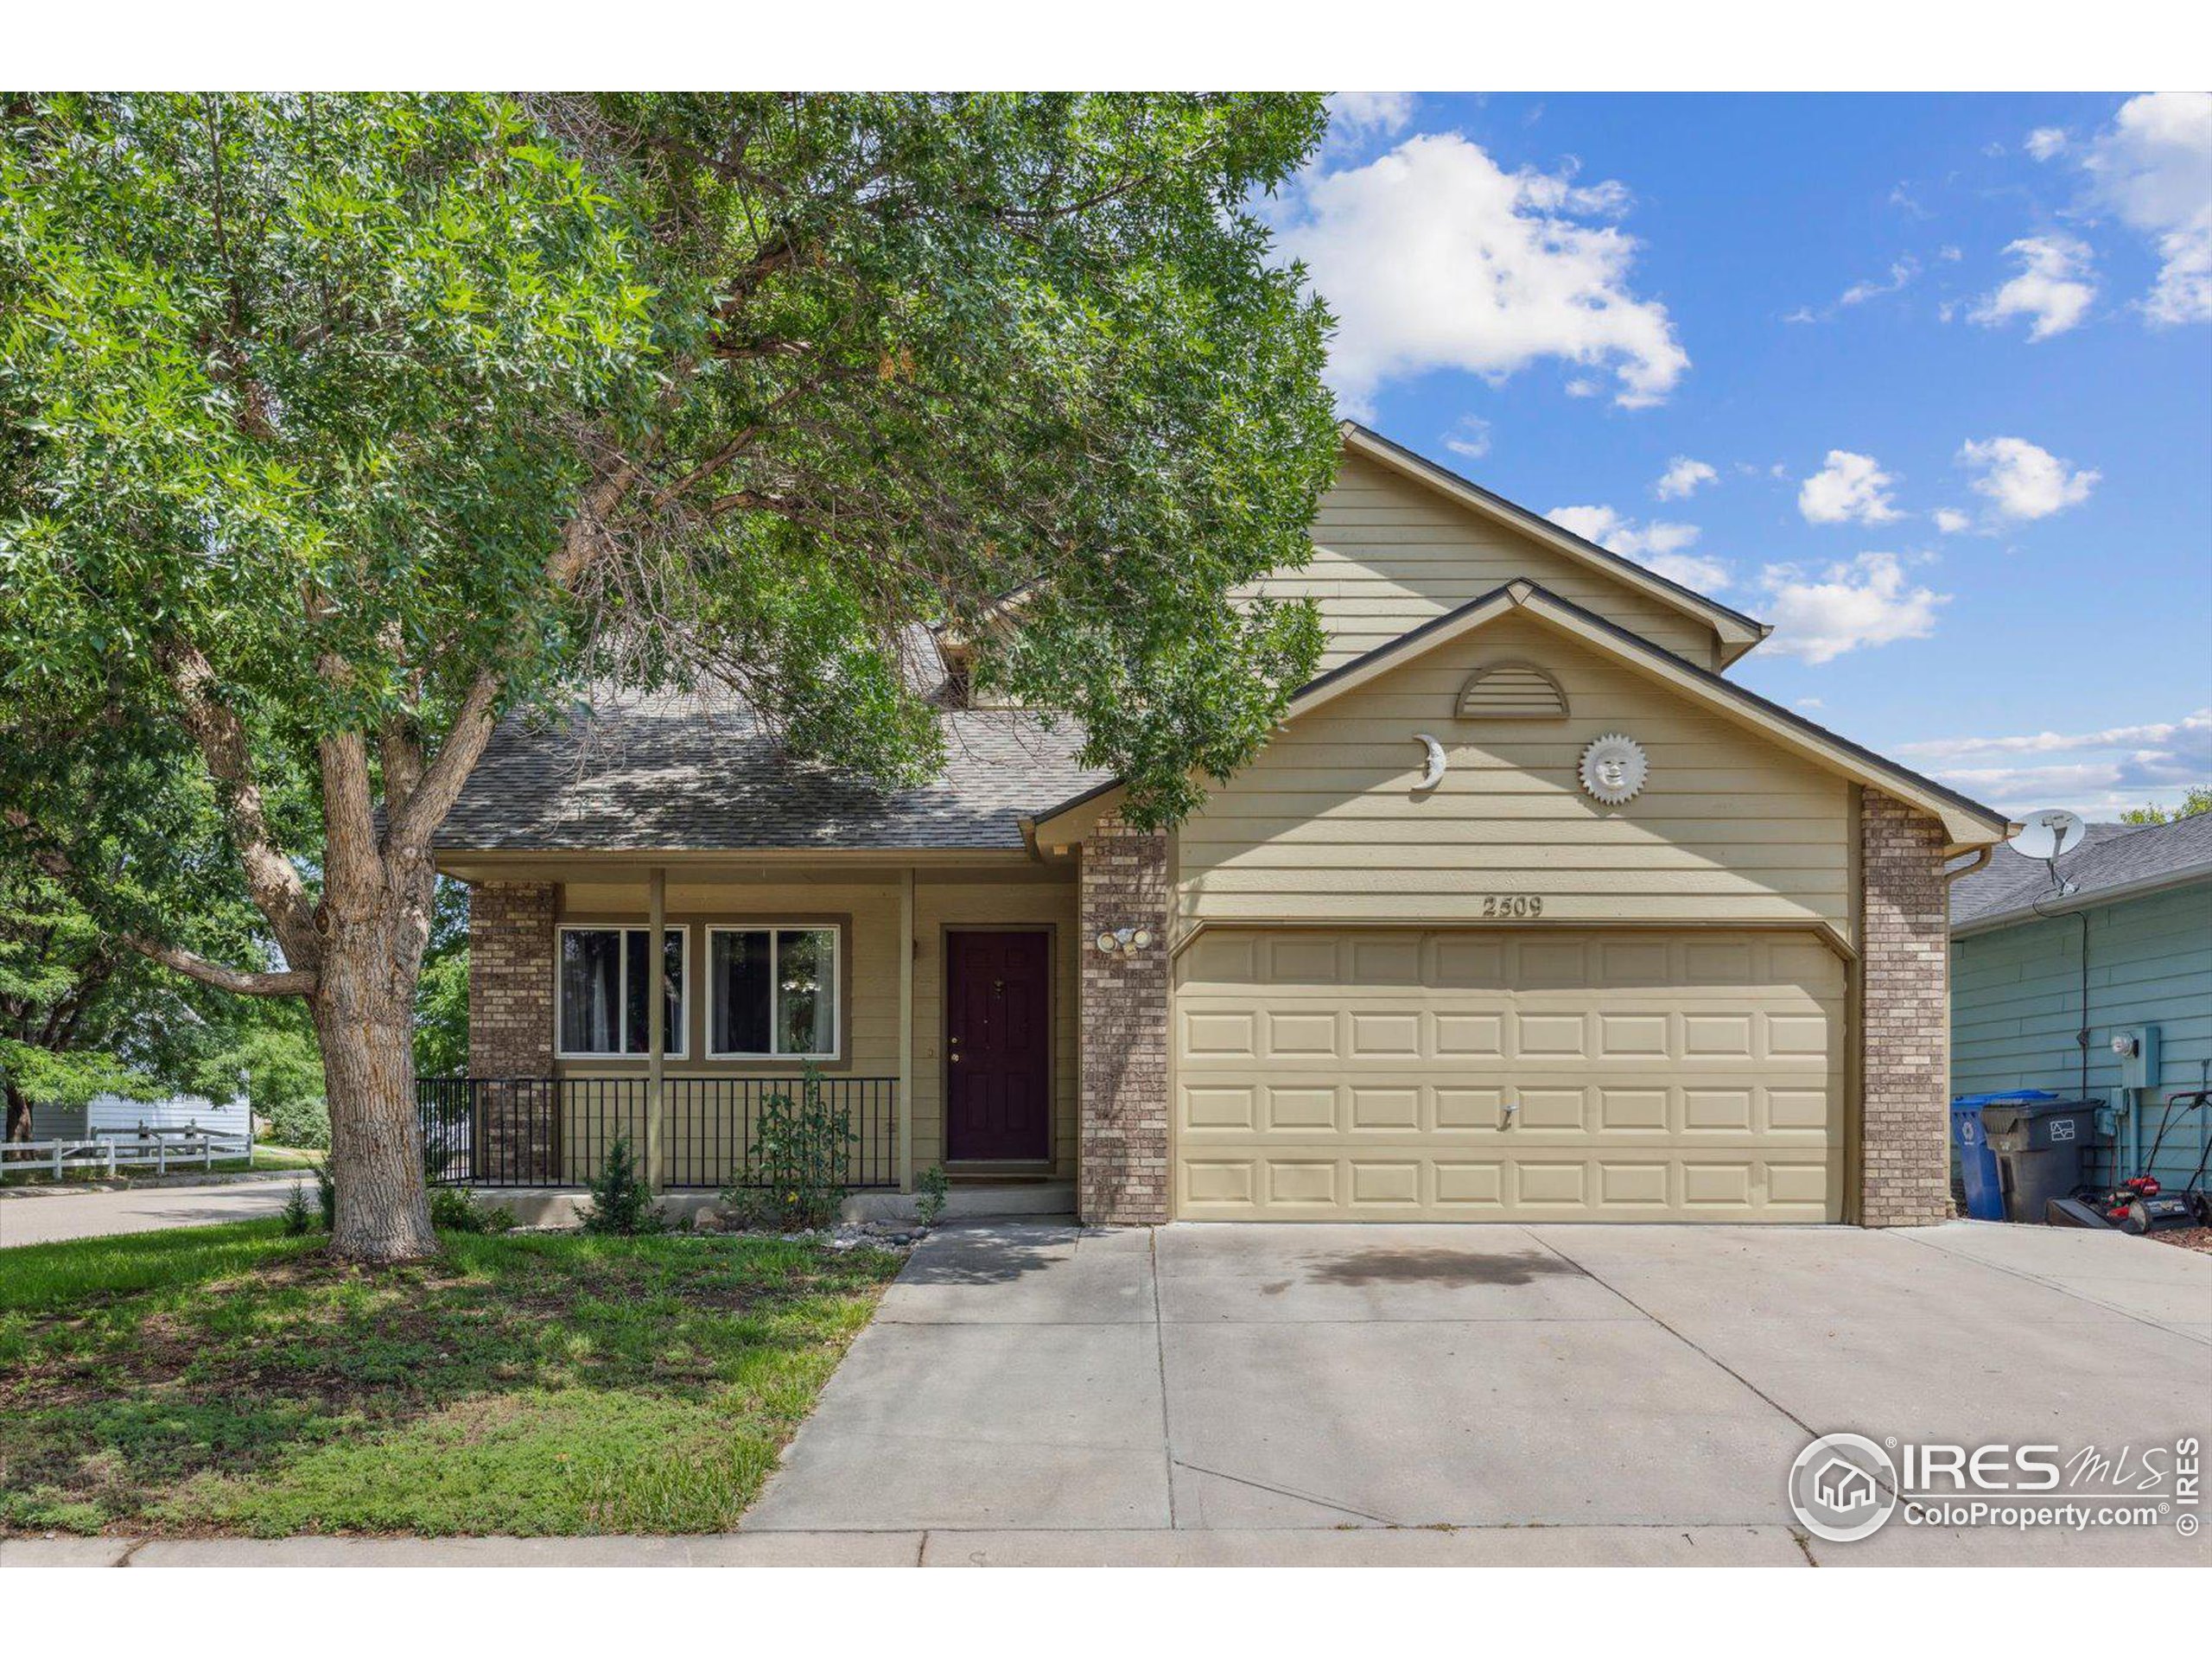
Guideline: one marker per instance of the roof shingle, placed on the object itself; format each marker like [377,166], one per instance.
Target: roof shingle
[2110,856]
[692,773]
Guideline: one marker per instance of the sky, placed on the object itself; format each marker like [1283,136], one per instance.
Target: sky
[1924,381]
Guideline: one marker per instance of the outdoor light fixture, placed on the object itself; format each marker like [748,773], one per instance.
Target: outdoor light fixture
[1124,941]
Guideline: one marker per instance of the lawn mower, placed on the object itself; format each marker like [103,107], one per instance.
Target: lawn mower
[2141,1204]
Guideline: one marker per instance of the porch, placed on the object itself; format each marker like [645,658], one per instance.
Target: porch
[932,1002]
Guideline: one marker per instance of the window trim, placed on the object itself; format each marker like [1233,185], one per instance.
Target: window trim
[678,1041]
[834,979]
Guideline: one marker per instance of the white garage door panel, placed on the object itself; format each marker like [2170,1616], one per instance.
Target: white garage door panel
[1335,1075]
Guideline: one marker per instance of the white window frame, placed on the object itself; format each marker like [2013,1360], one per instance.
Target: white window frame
[835,978]
[675,1043]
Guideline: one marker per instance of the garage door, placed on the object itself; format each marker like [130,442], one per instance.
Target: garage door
[1498,1075]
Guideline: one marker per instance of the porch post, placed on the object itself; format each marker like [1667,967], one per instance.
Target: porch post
[906,1029]
[656,1028]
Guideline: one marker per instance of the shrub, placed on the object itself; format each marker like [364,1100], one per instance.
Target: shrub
[932,1188]
[303,1121]
[452,1210]
[795,1168]
[620,1201]
[325,1192]
[299,1213]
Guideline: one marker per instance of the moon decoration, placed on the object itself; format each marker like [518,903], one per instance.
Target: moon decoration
[1435,775]
[1614,769]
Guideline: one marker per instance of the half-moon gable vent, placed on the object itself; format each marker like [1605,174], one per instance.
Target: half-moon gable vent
[1511,691]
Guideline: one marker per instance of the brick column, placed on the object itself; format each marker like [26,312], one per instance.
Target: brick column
[1905,1016]
[511,1027]
[1122,1171]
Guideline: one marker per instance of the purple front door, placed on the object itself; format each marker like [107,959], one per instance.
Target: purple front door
[998,1046]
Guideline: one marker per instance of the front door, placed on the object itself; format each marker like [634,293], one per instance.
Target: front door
[998,1046]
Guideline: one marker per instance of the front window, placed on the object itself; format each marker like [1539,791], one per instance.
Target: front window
[606,988]
[774,993]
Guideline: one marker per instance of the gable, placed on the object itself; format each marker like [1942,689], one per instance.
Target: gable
[1398,542]
[1327,824]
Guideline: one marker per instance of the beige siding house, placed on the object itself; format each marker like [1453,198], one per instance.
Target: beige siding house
[1526,913]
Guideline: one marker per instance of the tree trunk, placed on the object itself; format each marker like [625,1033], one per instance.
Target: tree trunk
[364,1014]
[19,1113]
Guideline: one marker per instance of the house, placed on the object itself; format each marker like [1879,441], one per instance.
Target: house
[119,1115]
[1527,913]
[2126,952]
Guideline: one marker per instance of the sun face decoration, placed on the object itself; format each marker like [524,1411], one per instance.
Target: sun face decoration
[1614,769]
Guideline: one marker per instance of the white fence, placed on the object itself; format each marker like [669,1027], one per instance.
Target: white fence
[160,1150]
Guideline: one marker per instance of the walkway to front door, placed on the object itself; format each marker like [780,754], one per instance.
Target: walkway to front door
[1625,1393]
[998,1046]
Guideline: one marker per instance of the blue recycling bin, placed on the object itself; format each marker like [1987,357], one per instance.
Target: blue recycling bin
[1977,1163]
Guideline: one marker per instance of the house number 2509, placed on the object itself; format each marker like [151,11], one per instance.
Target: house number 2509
[1499,904]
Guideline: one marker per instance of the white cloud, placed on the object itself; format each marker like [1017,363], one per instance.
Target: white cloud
[1810,704]
[2153,167]
[1358,115]
[1901,271]
[1433,257]
[1951,521]
[2099,773]
[2045,142]
[1849,489]
[1682,478]
[1469,437]
[1867,601]
[2023,480]
[2053,287]
[1659,544]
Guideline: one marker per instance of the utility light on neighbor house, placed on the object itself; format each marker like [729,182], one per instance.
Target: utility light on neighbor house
[1124,941]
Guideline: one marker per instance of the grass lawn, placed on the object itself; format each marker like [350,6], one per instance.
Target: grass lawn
[231,1380]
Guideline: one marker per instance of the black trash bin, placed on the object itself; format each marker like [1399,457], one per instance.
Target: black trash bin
[2040,1146]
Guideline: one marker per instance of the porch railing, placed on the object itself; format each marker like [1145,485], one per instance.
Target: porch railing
[557,1131]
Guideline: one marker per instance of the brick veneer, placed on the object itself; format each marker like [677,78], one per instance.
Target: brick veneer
[1905,1016]
[511,979]
[511,1025]
[1123,1137]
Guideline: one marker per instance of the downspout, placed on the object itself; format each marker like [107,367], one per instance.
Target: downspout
[1980,859]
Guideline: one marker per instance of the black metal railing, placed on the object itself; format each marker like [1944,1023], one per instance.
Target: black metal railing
[557,1131]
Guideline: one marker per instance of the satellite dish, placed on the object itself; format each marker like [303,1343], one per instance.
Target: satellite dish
[2050,834]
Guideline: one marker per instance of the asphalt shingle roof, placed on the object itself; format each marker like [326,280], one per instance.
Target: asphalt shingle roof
[675,773]
[2111,855]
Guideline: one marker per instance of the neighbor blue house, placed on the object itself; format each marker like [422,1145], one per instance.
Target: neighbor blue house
[2126,952]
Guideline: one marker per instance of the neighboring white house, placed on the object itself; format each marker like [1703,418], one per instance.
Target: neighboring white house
[112,1113]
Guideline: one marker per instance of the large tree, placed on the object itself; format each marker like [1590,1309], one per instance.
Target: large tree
[335,427]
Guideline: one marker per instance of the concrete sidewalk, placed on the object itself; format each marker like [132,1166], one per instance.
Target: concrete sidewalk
[40,1216]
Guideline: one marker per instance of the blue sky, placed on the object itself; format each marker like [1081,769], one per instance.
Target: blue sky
[1932,377]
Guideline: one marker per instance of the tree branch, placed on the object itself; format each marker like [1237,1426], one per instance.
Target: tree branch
[270,878]
[296,982]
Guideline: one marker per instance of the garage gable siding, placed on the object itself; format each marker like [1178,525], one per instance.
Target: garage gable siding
[1389,555]
[1326,823]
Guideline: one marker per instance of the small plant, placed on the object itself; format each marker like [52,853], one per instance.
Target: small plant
[620,1201]
[299,1212]
[452,1210]
[325,1192]
[931,1187]
[795,1168]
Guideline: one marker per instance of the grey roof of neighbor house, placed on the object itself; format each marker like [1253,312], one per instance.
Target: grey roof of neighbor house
[651,774]
[2112,859]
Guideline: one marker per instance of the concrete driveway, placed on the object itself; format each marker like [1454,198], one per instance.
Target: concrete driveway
[1039,1393]
[43,1215]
